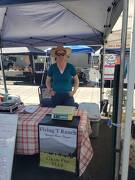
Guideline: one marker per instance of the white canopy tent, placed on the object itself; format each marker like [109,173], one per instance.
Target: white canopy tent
[60,22]
[49,23]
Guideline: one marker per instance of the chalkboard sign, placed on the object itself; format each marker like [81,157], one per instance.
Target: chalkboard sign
[8,126]
[58,144]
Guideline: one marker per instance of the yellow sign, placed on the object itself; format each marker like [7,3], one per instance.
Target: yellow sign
[56,161]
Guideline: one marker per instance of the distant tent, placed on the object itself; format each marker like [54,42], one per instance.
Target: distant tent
[116,50]
[111,51]
[81,49]
[22,51]
[76,49]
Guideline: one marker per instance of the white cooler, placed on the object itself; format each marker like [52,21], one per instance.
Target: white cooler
[93,115]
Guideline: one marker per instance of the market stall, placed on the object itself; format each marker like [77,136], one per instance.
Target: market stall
[43,23]
[27,135]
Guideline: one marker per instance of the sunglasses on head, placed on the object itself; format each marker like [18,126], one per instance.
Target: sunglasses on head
[60,54]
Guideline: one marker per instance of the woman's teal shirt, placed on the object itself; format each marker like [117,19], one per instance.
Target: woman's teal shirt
[62,82]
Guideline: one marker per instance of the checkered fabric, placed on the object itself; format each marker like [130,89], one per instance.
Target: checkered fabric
[27,135]
[132,153]
[85,151]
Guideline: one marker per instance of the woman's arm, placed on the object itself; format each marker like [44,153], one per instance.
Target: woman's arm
[75,85]
[48,83]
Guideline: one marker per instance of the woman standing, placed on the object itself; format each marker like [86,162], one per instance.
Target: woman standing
[62,81]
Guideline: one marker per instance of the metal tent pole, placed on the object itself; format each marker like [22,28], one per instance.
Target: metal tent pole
[32,62]
[3,74]
[121,80]
[129,106]
[102,74]
[120,97]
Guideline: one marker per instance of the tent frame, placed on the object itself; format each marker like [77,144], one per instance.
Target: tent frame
[129,106]
[121,86]
[130,85]
[3,74]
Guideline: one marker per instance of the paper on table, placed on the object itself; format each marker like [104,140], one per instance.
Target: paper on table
[29,109]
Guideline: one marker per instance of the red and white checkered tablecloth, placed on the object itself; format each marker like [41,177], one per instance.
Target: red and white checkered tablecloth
[27,135]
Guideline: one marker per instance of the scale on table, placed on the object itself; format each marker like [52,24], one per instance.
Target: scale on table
[63,113]
[10,104]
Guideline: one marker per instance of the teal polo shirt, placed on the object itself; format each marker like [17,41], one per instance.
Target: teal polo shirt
[62,82]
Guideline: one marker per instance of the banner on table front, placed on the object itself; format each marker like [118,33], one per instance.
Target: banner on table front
[58,147]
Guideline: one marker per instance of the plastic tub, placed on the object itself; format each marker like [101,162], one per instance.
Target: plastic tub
[93,115]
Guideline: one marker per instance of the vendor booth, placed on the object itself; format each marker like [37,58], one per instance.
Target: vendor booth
[19,64]
[27,136]
[51,23]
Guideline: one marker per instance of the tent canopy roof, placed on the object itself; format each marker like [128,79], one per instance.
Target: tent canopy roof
[51,23]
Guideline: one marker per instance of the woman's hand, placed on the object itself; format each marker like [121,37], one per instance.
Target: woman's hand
[52,92]
[71,93]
